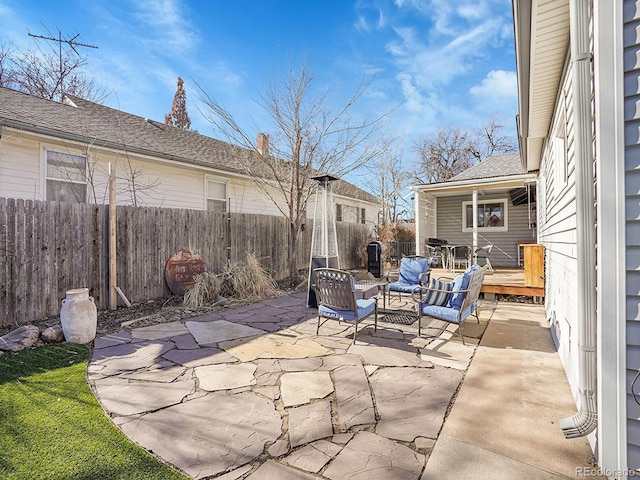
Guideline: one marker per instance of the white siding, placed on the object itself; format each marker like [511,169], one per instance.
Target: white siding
[177,185]
[557,232]
[20,167]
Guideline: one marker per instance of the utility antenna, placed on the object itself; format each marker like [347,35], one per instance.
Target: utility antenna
[72,42]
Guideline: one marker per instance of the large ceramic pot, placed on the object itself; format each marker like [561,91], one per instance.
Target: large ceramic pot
[79,316]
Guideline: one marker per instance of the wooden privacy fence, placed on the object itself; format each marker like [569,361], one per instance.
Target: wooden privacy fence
[47,248]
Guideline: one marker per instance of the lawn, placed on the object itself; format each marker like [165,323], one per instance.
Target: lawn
[52,427]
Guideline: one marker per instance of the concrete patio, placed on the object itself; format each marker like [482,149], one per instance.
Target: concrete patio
[253,393]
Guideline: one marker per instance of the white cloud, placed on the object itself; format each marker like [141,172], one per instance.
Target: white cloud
[497,86]
[170,24]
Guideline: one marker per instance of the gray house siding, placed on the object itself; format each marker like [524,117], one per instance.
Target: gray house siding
[505,249]
[632,216]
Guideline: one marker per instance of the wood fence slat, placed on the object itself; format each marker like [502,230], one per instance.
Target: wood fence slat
[48,248]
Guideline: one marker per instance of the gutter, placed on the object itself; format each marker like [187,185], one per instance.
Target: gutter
[585,421]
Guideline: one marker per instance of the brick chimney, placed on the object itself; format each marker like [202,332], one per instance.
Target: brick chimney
[262,144]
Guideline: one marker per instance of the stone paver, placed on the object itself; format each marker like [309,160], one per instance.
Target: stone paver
[225,377]
[301,387]
[284,344]
[412,402]
[255,393]
[209,333]
[309,422]
[374,457]
[161,331]
[210,434]
[353,397]
[271,470]
[121,396]
[307,458]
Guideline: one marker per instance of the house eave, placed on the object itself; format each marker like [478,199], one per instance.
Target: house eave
[463,186]
[541,32]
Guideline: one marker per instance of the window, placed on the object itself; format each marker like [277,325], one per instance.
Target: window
[216,195]
[492,216]
[349,213]
[66,177]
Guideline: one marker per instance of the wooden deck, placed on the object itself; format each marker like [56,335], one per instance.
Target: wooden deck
[503,281]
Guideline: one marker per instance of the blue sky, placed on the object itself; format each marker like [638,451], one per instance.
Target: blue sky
[445,62]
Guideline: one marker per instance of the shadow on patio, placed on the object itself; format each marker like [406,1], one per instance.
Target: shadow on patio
[254,393]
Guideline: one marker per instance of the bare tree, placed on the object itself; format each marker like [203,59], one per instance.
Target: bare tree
[46,75]
[307,137]
[489,140]
[451,151]
[446,154]
[388,182]
[179,116]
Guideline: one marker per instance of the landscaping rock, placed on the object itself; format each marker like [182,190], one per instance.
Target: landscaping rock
[20,338]
[52,334]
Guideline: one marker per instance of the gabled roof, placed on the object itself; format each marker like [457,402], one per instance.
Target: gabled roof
[496,166]
[499,172]
[88,122]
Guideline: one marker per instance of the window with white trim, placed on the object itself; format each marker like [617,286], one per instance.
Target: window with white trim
[216,195]
[492,215]
[66,177]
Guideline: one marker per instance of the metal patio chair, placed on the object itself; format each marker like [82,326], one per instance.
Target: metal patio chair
[336,294]
[454,304]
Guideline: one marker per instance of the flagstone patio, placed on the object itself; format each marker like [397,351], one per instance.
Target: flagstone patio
[254,393]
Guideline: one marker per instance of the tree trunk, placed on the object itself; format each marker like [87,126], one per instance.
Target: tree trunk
[293,247]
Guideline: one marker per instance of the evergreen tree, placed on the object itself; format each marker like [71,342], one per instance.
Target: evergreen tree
[179,116]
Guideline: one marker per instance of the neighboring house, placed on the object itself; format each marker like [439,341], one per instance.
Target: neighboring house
[505,202]
[578,66]
[62,151]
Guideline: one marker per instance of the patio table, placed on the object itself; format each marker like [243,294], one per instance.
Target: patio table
[363,286]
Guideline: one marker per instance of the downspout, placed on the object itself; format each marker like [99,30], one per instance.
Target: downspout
[585,421]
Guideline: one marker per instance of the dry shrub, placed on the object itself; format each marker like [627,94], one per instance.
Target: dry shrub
[249,281]
[203,292]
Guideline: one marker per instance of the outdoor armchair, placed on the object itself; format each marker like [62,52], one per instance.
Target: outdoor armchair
[412,274]
[336,294]
[485,253]
[451,302]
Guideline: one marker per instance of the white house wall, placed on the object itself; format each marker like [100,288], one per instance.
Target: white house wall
[178,185]
[557,232]
[426,220]
[20,167]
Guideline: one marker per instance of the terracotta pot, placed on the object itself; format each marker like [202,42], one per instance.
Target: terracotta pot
[79,316]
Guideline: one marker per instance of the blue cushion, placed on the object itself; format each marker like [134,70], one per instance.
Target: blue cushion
[445,313]
[438,298]
[403,287]
[365,307]
[461,282]
[411,268]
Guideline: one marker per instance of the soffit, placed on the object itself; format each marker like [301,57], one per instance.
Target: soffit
[538,86]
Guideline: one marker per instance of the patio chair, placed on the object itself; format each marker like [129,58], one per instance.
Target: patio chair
[485,253]
[461,256]
[336,294]
[413,273]
[451,302]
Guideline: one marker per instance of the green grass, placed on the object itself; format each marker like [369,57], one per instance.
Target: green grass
[52,427]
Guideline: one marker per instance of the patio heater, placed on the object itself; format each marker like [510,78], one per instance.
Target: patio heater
[324,240]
